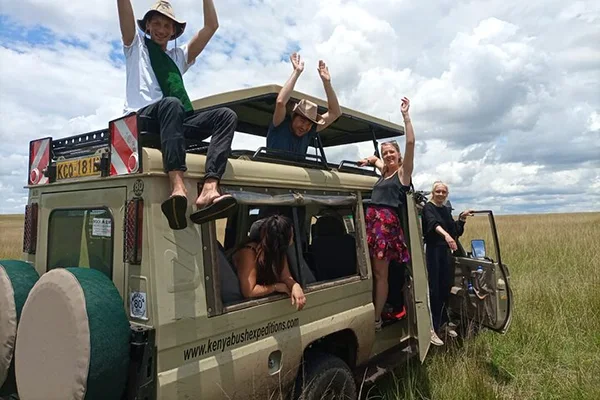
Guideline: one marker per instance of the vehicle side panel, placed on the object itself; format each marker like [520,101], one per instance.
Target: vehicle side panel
[233,360]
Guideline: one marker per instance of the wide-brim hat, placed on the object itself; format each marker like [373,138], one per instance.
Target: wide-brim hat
[308,110]
[165,8]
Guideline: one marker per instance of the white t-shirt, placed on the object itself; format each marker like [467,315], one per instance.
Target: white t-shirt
[142,87]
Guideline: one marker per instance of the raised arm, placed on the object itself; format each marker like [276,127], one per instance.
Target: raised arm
[286,91]
[409,152]
[126,21]
[203,36]
[333,106]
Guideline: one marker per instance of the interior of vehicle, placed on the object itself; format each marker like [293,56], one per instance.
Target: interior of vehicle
[326,249]
[326,242]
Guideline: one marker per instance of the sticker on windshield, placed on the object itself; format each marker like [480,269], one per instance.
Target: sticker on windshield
[101,227]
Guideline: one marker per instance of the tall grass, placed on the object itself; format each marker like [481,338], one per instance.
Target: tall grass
[552,350]
[11,236]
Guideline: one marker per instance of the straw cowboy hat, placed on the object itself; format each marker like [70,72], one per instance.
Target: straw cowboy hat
[308,109]
[163,7]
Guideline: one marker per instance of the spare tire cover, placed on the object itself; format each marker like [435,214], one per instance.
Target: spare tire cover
[73,338]
[16,280]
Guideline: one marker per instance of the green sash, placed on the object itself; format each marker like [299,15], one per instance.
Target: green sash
[168,74]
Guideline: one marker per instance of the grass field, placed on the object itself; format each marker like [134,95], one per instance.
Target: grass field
[552,350]
[11,236]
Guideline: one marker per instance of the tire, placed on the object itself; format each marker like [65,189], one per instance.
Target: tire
[324,376]
[16,280]
[75,318]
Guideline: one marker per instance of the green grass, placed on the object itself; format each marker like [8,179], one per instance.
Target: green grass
[11,236]
[552,350]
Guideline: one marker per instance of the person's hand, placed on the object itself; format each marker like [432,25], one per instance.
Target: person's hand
[404,106]
[324,71]
[298,297]
[367,161]
[467,213]
[297,62]
[451,243]
[282,288]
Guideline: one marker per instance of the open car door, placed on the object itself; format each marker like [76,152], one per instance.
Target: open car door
[423,323]
[481,290]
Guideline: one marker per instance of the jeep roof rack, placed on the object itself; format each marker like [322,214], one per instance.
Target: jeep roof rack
[117,149]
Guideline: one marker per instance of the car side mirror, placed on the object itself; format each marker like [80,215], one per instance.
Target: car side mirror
[478,248]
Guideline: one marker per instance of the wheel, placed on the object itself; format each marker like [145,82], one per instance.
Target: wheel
[16,280]
[324,376]
[73,338]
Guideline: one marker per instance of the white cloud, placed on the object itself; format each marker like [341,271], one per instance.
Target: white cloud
[594,122]
[505,95]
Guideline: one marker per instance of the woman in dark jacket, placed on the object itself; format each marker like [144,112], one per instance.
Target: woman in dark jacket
[441,232]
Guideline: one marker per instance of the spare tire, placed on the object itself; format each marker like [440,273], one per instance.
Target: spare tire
[73,338]
[16,280]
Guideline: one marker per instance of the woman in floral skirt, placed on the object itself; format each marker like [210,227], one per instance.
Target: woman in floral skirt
[385,236]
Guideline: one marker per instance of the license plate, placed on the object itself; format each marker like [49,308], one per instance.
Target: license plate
[77,168]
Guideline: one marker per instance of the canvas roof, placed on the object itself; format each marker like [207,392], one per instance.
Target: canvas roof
[254,107]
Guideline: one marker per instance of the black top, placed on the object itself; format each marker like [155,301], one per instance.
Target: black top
[389,192]
[434,216]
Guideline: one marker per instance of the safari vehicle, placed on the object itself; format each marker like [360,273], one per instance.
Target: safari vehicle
[123,307]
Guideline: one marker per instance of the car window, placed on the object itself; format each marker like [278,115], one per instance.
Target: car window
[332,250]
[325,227]
[81,238]
[478,239]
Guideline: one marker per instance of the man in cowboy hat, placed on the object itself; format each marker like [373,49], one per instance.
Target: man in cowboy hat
[155,88]
[294,133]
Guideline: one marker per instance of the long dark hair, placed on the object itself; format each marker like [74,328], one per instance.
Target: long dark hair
[275,236]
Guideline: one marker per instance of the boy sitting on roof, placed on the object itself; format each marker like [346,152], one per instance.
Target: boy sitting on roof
[155,89]
[294,133]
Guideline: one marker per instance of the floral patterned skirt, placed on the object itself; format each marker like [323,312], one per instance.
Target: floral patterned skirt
[385,236]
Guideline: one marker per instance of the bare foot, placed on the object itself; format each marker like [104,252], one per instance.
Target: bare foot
[209,193]
[206,198]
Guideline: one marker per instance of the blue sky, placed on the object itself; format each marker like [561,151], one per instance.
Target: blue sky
[506,107]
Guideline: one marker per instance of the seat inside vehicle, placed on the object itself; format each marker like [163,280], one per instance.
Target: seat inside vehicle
[230,283]
[333,250]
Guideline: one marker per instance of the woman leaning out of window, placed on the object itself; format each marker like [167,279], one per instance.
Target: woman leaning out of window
[262,265]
